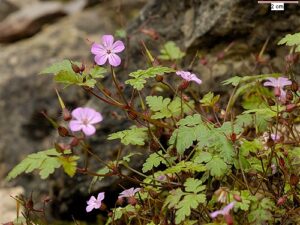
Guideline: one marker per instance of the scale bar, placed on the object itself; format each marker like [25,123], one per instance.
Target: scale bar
[268,2]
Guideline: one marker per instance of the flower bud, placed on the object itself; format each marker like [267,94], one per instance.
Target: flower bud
[237,198]
[290,107]
[228,218]
[62,131]
[233,137]
[294,179]
[66,114]
[75,68]
[277,91]
[132,201]
[203,61]
[281,201]
[270,102]
[294,86]
[74,142]
[159,78]
[184,85]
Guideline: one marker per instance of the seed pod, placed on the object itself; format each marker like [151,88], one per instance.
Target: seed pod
[62,131]
[74,142]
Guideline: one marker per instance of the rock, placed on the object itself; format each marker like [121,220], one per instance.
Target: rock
[6,8]
[28,20]
[8,204]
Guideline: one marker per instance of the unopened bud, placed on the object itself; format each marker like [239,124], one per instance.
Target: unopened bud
[271,102]
[74,142]
[159,78]
[281,201]
[66,114]
[233,137]
[294,179]
[132,201]
[184,85]
[289,95]
[237,198]
[75,68]
[294,86]
[203,61]
[62,131]
[290,107]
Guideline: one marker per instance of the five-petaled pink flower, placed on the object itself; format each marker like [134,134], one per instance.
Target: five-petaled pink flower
[84,119]
[94,203]
[107,51]
[225,211]
[129,192]
[279,83]
[188,76]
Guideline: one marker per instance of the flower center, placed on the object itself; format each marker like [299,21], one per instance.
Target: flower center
[85,121]
[108,51]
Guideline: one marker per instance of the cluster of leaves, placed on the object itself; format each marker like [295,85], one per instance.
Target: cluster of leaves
[201,157]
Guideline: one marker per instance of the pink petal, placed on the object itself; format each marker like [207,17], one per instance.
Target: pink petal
[97,49]
[272,82]
[107,41]
[196,79]
[88,130]
[114,59]
[216,213]
[284,81]
[118,46]
[101,59]
[75,125]
[268,83]
[96,118]
[100,196]
[91,200]
[77,113]
[227,208]
[89,208]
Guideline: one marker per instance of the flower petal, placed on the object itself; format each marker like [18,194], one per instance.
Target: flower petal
[96,118]
[100,196]
[91,200]
[107,41]
[118,46]
[77,113]
[101,59]
[114,59]
[88,130]
[216,213]
[89,208]
[75,125]
[97,49]
[283,81]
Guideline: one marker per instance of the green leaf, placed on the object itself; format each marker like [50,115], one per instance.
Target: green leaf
[133,136]
[234,81]
[97,72]
[290,40]
[64,65]
[68,77]
[165,108]
[139,78]
[171,52]
[184,166]
[69,164]
[209,99]
[154,160]
[203,157]
[185,206]
[217,167]
[173,198]
[45,161]
[193,185]
[103,171]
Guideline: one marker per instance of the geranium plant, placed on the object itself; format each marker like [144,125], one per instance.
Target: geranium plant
[236,163]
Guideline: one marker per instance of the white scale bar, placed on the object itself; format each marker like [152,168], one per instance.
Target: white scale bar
[278,6]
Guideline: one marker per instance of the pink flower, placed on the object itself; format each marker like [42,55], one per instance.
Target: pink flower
[225,211]
[108,50]
[129,193]
[84,119]
[279,84]
[94,203]
[188,76]
[275,138]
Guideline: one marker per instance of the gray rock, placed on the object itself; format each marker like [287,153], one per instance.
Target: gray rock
[6,8]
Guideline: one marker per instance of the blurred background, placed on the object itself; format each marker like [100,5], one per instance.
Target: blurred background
[226,38]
